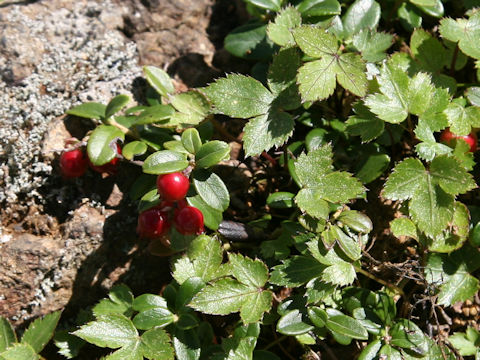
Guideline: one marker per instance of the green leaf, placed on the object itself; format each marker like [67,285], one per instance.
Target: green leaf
[312,167]
[120,302]
[175,145]
[191,140]
[319,7]
[356,221]
[148,301]
[101,146]
[249,41]
[406,334]
[461,119]
[347,326]
[192,107]
[19,352]
[116,104]
[89,110]
[339,187]
[211,153]
[351,73]
[296,271]
[164,162]
[112,331]
[158,316]
[422,44]
[159,80]
[315,41]
[292,324]
[451,176]
[39,332]
[266,131]
[372,44]
[155,344]
[157,114]
[373,168]
[7,335]
[187,291]
[370,351]
[253,273]
[473,95]
[134,148]
[282,77]
[364,123]
[406,178]
[431,208]
[206,255]
[211,217]
[465,32]
[222,297]
[360,15]
[186,345]
[239,96]
[403,227]
[350,247]
[466,346]
[211,189]
[317,79]
[255,306]
[341,273]
[311,202]
[273,5]
[390,353]
[68,345]
[431,7]
[409,16]
[317,316]
[452,274]
[280,200]
[280,30]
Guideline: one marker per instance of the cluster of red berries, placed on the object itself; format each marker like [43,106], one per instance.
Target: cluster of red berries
[155,222]
[449,138]
[74,163]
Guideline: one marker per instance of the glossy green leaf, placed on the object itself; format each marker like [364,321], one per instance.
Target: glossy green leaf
[212,217]
[341,273]
[19,352]
[192,107]
[256,304]
[422,44]
[465,343]
[317,316]
[403,227]
[134,148]
[280,200]
[409,16]
[154,317]
[296,271]
[273,5]
[266,131]
[186,344]
[211,153]
[211,188]
[451,176]
[292,324]
[249,41]
[390,353]
[431,7]
[206,255]
[249,272]
[39,332]
[148,301]
[373,168]
[319,7]
[191,140]
[461,119]
[187,291]
[159,80]
[68,345]
[279,30]
[364,123]
[7,335]
[350,247]
[310,168]
[112,331]
[371,350]
[347,326]
[406,334]
[350,70]
[155,344]
[339,187]
[89,110]
[406,178]
[101,146]
[157,114]
[356,221]
[164,162]
[119,302]
[473,95]
[360,15]
[116,104]
[311,202]
[465,32]
[372,44]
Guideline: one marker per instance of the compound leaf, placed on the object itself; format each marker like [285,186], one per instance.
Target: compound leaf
[39,332]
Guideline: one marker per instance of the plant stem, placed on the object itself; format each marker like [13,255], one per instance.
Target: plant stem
[381,281]
[275,342]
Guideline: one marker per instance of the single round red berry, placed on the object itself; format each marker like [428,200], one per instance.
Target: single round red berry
[172,187]
[110,167]
[189,221]
[449,138]
[152,223]
[73,163]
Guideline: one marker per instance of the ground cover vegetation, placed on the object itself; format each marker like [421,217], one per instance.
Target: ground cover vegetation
[358,132]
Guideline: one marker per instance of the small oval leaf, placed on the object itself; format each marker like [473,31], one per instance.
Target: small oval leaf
[116,104]
[291,324]
[155,114]
[164,162]
[280,200]
[159,80]
[212,153]
[134,148]
[356,221]
[191,140]
[89,110]
[347,326]
[211,189]
[101,144]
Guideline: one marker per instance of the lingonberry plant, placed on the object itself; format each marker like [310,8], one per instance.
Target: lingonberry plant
[363,228]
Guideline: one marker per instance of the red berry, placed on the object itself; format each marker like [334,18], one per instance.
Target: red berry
[189,221]
[73,163]
[449,138]
[110,167]
[172,187]
[152,223]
